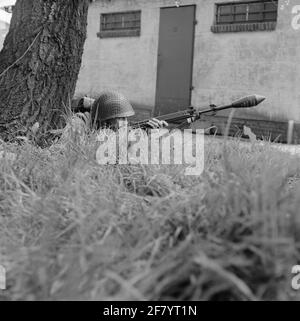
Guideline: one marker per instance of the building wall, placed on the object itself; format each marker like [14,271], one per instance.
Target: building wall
[5,16]
[3,31]
[124,64]
[226,65]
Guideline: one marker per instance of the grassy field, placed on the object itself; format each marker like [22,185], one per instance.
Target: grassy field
[72,229]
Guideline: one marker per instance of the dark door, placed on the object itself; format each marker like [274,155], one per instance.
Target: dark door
[175,59]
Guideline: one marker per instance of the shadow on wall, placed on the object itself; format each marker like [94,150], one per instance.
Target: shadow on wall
[270,130]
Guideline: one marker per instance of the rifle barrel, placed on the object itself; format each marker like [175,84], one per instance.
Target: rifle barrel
[245,102]
[213,109]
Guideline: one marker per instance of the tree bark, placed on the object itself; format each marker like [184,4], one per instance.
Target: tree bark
[40,62]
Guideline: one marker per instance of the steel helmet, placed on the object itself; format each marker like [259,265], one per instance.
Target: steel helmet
[111,105]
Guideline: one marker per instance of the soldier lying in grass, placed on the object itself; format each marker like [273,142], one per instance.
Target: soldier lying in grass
[110,113]
[112,109]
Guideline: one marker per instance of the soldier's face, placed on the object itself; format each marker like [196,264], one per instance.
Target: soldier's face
[117,123]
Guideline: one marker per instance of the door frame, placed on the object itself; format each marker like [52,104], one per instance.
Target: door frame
[155,109]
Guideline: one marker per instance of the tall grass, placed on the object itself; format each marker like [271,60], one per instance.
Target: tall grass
[72,229]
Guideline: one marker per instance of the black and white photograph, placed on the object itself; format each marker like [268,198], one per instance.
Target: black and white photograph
[149,152]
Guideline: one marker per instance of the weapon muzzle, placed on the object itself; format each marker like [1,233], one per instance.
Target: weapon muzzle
[248,101]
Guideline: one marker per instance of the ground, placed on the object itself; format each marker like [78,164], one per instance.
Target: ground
[72,229]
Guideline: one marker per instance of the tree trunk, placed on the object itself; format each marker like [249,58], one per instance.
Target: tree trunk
[40,62]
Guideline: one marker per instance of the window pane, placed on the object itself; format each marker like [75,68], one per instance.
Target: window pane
[240,18]
[118,18]
[255,17]
[271,5]
[127,17]
[129,24]
[271,16]
[241,8]
[121,21]
[247,12]
[256,7]
[226,19]
[225,9]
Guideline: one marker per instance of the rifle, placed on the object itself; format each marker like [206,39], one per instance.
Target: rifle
[191,114]
[188,115]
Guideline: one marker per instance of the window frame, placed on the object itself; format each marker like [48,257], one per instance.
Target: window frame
[108,31]
[244,25]
[246,3]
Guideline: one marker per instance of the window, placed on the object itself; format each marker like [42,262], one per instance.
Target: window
[120,24]
[246,16]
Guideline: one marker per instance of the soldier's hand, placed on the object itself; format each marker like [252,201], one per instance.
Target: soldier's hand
[156,123]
